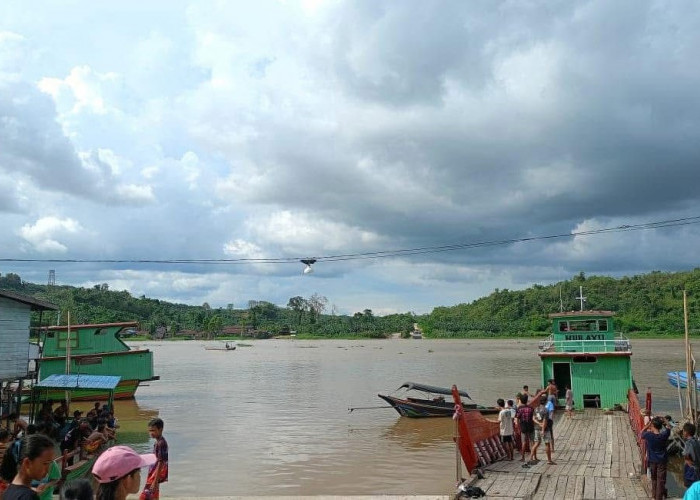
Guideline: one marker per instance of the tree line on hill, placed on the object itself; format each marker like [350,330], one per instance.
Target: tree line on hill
[644,304]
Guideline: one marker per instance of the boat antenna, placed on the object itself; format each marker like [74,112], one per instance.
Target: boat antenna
[580,296]
[561,300]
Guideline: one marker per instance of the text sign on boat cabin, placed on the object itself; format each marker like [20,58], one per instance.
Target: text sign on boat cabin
[584,331]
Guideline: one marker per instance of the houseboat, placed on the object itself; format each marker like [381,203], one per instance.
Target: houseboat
[95,350]
[584,353]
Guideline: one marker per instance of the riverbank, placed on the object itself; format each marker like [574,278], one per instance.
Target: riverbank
[349,336]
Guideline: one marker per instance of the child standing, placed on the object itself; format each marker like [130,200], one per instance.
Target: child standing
[158,473]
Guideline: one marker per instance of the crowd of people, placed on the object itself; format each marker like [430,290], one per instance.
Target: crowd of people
[29,469]
[533,418]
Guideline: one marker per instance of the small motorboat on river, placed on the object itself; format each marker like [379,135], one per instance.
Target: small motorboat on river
[432,402]
[226,347]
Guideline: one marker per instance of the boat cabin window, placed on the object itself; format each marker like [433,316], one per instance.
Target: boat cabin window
[585,359]
[63,337]
[584,325]
[50,334]
[100,331]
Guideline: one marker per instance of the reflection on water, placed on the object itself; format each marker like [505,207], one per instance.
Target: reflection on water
[420,432]
[275,415]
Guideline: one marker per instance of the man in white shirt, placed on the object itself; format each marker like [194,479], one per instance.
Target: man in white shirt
[505,421]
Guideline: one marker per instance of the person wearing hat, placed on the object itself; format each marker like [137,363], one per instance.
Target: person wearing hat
[118,472]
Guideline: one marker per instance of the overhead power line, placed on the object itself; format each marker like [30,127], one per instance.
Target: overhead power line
[379,254]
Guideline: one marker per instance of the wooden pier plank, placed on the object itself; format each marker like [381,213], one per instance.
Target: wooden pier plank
[594,455]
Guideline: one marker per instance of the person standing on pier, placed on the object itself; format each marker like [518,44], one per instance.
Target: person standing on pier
[550,421]
[569,408]
[691,455]
[505,421]
[523,418]
[552,391]
[542,432]
[657,440]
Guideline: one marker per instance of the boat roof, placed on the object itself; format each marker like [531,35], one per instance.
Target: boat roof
[36,304]
[430,388]
[79,382]
[124,324]
[581,313]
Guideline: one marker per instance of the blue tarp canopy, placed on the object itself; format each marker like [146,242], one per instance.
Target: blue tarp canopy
[78,382]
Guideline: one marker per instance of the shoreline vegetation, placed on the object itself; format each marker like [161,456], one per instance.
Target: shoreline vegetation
[475,336]
[646,306]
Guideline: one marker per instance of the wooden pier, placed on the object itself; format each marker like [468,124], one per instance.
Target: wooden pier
[596,456]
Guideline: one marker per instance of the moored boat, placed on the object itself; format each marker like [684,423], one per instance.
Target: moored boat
[225,347]
[432,402]
[680,379]
[95,349]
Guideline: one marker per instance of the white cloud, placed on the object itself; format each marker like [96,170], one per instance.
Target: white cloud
[298,233]
[135,193]
[45,233]
[243,249]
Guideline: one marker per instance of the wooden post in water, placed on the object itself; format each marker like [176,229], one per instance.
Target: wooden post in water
[680,398]
[688,367]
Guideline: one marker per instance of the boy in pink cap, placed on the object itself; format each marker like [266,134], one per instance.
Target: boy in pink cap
[118,470]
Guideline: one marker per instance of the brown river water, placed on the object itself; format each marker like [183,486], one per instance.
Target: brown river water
[273,419]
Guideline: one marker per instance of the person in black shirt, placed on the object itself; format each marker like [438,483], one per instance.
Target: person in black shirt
[74,438]
[657,454]
[36,455]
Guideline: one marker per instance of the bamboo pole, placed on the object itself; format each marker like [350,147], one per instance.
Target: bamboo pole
[680,398]
[68,347]
[688,367]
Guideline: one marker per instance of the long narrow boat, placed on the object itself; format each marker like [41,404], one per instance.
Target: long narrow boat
[225,347]
[431,404]
[681,378]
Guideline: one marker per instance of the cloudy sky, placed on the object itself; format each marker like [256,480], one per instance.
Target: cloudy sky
[234,129]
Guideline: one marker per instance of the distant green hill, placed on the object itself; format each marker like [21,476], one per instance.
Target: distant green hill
[302,316]
[650,304]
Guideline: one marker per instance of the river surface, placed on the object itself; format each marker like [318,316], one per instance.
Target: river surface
[273,418]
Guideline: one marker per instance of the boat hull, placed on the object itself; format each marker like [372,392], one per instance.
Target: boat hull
[426,408]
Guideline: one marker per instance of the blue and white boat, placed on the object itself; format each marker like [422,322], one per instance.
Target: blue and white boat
[676,378]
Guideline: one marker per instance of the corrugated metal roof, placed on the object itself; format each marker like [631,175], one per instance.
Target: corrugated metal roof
[37,304]
[123,324]
[77,382]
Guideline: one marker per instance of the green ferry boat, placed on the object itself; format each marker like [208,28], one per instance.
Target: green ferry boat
[95,350]
[584,353]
